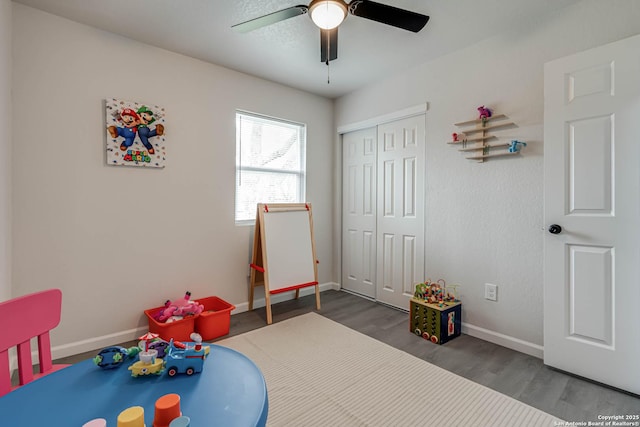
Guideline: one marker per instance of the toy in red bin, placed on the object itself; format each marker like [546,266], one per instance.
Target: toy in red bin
[180,307]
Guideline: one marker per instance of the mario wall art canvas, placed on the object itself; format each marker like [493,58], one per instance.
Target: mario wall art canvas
[135,134]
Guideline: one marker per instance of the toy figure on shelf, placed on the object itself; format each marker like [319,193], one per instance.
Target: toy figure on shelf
[514,148]
[484,113]
[458,137]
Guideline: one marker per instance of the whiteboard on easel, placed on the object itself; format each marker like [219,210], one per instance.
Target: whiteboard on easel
[288,248]
[284,252]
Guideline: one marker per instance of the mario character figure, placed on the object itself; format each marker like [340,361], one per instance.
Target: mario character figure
[130,121]
[144,132]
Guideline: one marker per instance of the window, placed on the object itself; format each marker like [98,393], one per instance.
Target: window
[270,163]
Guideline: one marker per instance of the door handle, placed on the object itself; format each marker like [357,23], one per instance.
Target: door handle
[555,229]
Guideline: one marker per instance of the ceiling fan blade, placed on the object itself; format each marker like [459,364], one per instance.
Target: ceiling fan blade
[272,18]
[389,15]
[328,44]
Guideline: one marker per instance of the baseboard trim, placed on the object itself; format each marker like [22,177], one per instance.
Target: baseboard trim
[285,296]
[82,346]
[516,344]
[97,342]
[507,341]
[94,343]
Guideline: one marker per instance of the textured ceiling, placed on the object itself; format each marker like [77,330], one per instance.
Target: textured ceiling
[288,52]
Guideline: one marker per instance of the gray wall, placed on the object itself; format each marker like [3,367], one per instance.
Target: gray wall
[485,221]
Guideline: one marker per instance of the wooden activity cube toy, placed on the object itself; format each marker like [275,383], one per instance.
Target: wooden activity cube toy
[433,322]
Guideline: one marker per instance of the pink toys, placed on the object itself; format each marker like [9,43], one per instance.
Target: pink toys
[484,113]
[180,307]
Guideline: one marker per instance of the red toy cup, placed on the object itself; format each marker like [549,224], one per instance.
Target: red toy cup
[167,409]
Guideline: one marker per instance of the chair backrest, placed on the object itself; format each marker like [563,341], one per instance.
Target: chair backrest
[22,319]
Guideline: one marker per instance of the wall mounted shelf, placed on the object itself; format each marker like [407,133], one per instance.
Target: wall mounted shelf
[486,156]
[479,142]
[484,147]
[486,128]
[477,138]
[476,121]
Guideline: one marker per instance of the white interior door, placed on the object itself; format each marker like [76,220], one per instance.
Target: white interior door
[359,211]
[592,183]
[400,213]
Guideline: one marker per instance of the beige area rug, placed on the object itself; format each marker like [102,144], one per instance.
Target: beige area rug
[321,373]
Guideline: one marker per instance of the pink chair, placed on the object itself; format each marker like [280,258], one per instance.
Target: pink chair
[23,318]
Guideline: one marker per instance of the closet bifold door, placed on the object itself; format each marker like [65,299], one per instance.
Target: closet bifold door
[400,214]
[359,211]
[383,210]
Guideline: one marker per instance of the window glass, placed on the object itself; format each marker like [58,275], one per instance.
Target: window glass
[270,163]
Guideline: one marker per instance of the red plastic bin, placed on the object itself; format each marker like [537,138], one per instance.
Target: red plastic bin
[178,330]
[215,319]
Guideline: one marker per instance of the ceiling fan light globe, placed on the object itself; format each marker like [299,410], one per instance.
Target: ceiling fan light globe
[328,14]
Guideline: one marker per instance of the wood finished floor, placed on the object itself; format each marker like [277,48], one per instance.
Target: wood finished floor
[514,374]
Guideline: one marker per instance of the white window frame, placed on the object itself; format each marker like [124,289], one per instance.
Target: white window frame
[300,174]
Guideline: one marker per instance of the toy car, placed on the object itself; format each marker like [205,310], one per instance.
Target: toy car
[185,361]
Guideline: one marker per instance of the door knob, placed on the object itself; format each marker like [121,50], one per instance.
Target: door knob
[555,229]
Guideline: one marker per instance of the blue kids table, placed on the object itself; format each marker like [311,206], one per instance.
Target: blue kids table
[230,391]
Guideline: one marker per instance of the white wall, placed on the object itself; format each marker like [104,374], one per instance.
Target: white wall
[5,149]
[118,240]
[485,221]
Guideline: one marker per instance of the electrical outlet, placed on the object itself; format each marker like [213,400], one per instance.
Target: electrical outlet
[491,292]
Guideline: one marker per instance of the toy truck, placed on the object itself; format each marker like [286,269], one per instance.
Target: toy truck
[187,360]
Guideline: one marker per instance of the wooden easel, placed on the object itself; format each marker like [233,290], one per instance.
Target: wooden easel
[284,253]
